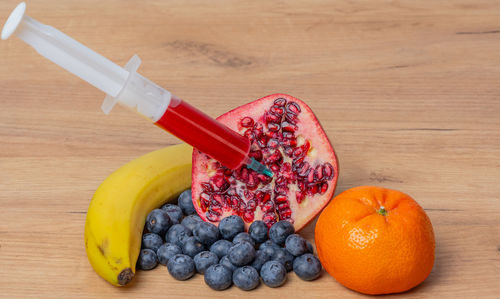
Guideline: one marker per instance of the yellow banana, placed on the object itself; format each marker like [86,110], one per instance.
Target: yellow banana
[119,207]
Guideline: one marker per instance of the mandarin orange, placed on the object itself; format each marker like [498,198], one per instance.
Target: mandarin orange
[375,240]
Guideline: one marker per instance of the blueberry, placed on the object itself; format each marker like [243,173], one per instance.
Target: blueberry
[167,251]
[241,254]
[147,259]
[185,202]
[181,267]
[226,262]
[151,241]
[307,267]
[284,257]
[177,234]
[206,233]
[205,259]
[269,247]
[174,212]
[258,231]
[296,245]
[261,257]
[246,278]
[192,247]
[221,247]
[158,222]
[230,226]
[243,237]
[310,247]
[191,221]
[218,277]
[280,231]
[273,274]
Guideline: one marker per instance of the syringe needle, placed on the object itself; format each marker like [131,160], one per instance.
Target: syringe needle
[260,168]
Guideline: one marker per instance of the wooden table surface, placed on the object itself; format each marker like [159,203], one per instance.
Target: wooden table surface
[408,92]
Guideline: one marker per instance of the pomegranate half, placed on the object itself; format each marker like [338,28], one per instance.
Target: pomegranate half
[286,136]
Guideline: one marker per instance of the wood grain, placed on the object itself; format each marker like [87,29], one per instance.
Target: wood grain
[408,92]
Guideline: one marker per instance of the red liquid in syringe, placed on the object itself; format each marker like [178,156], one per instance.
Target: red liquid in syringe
[205,134]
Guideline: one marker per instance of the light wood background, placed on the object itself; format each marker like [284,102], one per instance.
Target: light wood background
[408,92]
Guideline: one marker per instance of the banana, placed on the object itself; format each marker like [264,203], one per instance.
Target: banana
[119,207]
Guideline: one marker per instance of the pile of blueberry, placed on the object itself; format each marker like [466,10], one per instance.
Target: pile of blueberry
[224,254]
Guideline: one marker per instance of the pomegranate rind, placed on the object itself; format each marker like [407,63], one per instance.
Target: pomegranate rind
[311,206]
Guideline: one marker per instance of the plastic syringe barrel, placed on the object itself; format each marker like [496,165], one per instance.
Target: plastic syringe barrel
[127,87]
[122,85]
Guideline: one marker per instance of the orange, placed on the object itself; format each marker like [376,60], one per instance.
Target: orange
[375,240]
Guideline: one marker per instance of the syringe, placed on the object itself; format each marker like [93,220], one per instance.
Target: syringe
[129,88]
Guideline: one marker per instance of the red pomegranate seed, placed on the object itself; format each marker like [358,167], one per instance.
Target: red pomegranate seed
[298,160]
[280,102]
[283,189]
[291,118]
[258,129]
[298,152]
[275,168]
[247,122]
[212,216]
[285,214]
[264,179]
[227,202]
[252,183]
[283,206]
[280,181]
[318,172]
[235,202]
[299,196]
[242,207]
[275,157]
[301,185]
[266,198]
[259,195]
[289,142]
[286,167]
[306,146]
[272,143]
[218,198]
[288,135]
[219,182]
[310,177]
[273,127]
[244,175]
[216,210]
[288,127]
[312,190]
[248,216]
[267,207]
[257,155]
[328,170]
[277,110]
[324,187]
[272,118]
[269,219]
[293,108]
[303,169]
[277,135]
[281,199]
[262,141]
[288,151]
[251,205]
[249,195]
[206,187]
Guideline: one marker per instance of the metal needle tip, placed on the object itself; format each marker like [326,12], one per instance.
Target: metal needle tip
[260,168]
